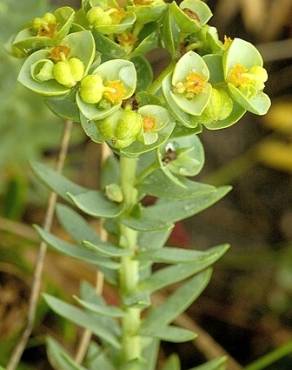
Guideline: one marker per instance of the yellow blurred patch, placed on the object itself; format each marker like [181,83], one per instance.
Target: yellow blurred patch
[275,154]
[279,117]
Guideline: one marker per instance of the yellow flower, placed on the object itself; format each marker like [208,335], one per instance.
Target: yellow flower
[127,40]
[249,80]
[117,15]
[227,42]
[59,53]
[45,26]
[149,123]
[115,91]
[194,84]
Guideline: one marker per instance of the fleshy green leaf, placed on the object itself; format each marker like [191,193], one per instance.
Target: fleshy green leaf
[173,255]
[148,13]
[65,106]
[108,47]
[90,129]
[150,352]
[95,204]
[97,358]
[144,73]
[158,185]
[81,318]
[101,309]
[88,294]
[165,213]
[175,273]
[188,24]
[107,249]
[76,226]
[76,251]
[177,302]
[153,239]
[171,334]
[110,172]
[82,46]
[149,43]
[258,104]
[170,34]
[188,157]
[59,358]
[55,181]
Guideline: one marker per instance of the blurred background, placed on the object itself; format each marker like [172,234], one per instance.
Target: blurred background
[247,308]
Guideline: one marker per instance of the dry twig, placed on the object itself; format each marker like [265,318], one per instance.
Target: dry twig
[87,334]
[37,279]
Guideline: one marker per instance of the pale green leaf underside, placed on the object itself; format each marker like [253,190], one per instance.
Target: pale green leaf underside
[100,309]
[76,251]
[171,334]
[95,204]
[177,302]
[181,271]
[59,358]
[55,181]
[83,319]
[166,213]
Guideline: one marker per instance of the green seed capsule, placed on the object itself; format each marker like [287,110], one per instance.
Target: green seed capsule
[107,126]
[97,17]
[129,125]
[63,75]
[91,89]
[37,23]
[219,107]
[49,18]
[122,128]
[77,68]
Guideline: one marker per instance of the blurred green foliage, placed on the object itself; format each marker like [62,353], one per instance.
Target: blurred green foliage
[27,127]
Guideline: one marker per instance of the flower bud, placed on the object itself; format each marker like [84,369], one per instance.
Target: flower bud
[122,128]
[49,18]
[219,107]
[37,23]
[97,16]
[77,68]
[91,89]
[130,125]
[62,74]
[114,193]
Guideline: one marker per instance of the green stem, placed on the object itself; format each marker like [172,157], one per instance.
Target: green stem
[129,271]
[156,85]
[146,172]
[271,357]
